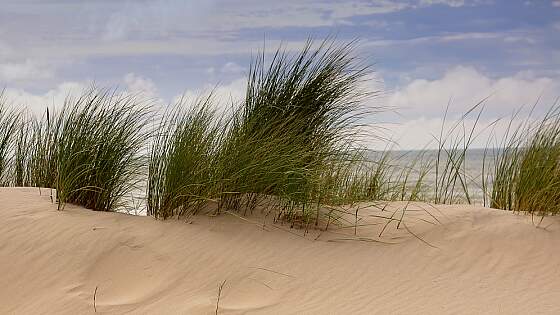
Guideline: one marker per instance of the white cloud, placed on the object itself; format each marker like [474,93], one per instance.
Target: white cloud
[139,85]
[37,103]
[519,39]
[421,103]
[224,96]
[556,3]
[451,3]
[446,38]
[26,70]
[232,68]
[422,133]
[380,24]
[465,86]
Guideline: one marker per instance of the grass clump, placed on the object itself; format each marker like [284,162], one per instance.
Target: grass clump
[527,168]
[295,129]
[181,173]
[89,151]
[34,159]
[98,140]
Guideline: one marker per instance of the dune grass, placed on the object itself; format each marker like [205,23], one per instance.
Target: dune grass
[295,128]
[388,176]
[526,175]
[297,124]
[8,127]
[182,167]
[451,178]
[22,158]
[242,161]
[34,160]
[98,140]
[89,151]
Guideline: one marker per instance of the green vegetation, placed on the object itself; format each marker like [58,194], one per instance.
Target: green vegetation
[291,147]
[296,127]
[292,135]
[451,178]
[526,175]
[182,169]
[98,140]
[89,151]
[8,128]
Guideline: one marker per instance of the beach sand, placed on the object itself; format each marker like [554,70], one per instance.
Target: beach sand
[474,261]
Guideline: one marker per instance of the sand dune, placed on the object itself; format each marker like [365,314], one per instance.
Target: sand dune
[475,261]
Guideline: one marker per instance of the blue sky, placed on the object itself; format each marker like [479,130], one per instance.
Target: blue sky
[426,52]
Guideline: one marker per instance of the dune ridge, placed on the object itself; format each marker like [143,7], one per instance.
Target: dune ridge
[475,261]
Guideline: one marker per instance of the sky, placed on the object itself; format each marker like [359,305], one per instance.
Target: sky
[426,54]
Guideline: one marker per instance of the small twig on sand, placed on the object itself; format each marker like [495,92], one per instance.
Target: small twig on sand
[94,295]
[276,272]
[261,282]
[418,237]
[389,220]
[220,287]
[356,222]
[360,239]
[246,220]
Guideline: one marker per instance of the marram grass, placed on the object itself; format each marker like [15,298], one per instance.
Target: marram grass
[526,173]
[294,130]
[182,167]
[98,145]
[89,150]
[297,124]
[8,128]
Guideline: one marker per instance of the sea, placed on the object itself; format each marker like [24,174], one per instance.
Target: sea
[476,169]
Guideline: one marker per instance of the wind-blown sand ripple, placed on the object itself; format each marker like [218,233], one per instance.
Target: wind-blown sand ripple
[476,261]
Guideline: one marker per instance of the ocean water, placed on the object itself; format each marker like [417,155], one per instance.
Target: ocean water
[477,167]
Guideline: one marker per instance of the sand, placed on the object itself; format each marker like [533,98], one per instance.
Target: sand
[475,261]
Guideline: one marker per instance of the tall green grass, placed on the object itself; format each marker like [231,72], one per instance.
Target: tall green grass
[296,127]
[8,128]
[182,167]
[22,157]
[451,178]
[35,154]
[527,169]
[90,150]
[297,124]
[98,138]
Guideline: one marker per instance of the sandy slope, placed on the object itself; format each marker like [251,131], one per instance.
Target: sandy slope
[479,261]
